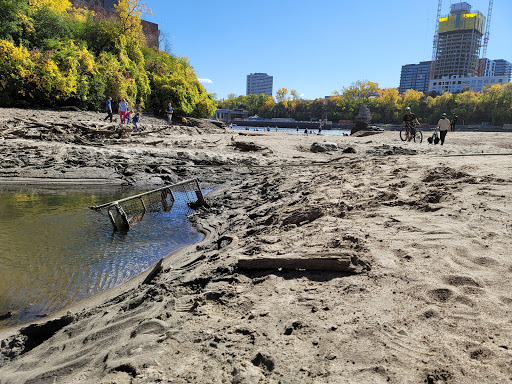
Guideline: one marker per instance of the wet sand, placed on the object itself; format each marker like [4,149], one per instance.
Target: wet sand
[424,296]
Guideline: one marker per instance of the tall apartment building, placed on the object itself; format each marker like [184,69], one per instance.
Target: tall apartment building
[457,63]
[458,47]
[503,68]
[259,83]
[415,76]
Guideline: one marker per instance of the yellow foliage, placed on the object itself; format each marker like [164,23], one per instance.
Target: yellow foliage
[130,12]
[80,14]
[14,61]
[58,6]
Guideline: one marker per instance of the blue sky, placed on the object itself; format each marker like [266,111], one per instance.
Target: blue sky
[314,47]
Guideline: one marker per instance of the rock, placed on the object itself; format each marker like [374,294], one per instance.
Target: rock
[323,147]
[129,171]
[362,120]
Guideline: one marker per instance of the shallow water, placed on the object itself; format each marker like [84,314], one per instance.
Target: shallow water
[54,250]
[325,132]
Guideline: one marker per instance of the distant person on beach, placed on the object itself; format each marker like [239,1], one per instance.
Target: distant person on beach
[109,109]
[128,116]
[123,108]
[410,121]
[306,131]
[168,110]
[454,122]
[127,109]
[135,121]
[444,126]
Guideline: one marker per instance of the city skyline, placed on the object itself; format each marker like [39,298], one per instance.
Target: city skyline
[314,50]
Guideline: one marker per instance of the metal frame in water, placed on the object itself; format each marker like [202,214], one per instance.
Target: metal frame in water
[127,212]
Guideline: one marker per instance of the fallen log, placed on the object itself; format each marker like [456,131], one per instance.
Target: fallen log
[342,263]
[243,133]
[155,142]
[103,132]
[154,131]
[33,122]
[11,130]
[59,130]
[248,146]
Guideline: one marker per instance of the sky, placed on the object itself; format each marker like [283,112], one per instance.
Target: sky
[314,47]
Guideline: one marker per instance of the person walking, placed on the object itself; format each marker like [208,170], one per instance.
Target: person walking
[453,122]
[135,121]
[123,108]
[444,126]
[109,109]
[168,110]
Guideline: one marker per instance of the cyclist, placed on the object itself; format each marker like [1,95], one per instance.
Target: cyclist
[410,121]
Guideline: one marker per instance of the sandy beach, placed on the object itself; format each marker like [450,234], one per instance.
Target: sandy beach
[380,262]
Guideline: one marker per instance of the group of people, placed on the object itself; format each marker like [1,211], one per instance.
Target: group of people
[125,114]
[444,124]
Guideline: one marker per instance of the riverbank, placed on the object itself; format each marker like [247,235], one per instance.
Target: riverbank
[413,241]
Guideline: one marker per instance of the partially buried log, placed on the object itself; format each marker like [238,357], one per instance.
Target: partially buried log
[342,263]
[248,146]
[154,272]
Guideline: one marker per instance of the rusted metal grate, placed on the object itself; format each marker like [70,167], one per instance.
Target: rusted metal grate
[127,212]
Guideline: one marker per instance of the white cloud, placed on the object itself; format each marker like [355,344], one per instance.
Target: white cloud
[205,81]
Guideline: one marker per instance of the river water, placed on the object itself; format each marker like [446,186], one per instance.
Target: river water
[54,250]
[325,132]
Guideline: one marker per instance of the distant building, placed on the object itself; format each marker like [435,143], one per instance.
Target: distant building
[457,64]
[458,83]
[259,83]
[227,115]
[415,76]
[106,8]
[503,68]
[458,47]
[487,67]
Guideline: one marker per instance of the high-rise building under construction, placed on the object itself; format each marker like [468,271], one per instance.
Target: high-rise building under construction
[458,47]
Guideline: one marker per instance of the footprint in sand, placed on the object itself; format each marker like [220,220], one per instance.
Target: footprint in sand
[441,294]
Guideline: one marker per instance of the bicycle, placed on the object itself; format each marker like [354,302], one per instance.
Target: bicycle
[415,133]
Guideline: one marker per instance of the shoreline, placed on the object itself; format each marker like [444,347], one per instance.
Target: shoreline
[111,293]
[423,297]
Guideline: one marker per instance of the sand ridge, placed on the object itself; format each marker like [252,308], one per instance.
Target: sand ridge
[430,224]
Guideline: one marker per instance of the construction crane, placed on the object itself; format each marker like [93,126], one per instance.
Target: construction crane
[486,39]
[434,44]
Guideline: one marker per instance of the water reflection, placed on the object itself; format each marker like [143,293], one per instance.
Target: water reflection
[54,250]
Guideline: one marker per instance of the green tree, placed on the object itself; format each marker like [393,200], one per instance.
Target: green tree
[16,23]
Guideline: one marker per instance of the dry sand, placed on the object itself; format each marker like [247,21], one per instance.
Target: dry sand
[427,228]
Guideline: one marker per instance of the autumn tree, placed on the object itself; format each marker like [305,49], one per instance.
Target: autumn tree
[130,12]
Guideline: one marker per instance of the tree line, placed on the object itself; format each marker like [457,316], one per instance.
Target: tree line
[493,104]
[53,54]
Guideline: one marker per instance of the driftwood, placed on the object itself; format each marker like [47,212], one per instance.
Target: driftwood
[154,272]
[342,263]
[148,132]
[248,146]
[33,129]
[11,130]
[243,133]
[155,142]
